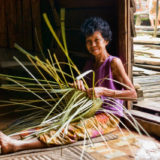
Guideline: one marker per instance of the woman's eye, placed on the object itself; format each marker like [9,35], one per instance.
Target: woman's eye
[88,42]
[97,40]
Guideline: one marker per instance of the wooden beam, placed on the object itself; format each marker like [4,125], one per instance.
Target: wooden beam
[11,22]
[133,5]
[84,3]
[3,25]
[36,24]
[27,25]
[124,37]
[133,31]
[19,25]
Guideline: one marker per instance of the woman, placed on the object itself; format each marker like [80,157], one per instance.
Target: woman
[107,69]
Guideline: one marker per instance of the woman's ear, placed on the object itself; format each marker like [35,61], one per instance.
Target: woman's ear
[106,42]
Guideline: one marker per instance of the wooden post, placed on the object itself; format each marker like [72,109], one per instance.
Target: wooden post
[156,20]
[124,37]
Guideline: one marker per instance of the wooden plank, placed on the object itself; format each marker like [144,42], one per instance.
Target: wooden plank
[146,40]
[3,25]
[156,68]
[27,25]
[152,88]
[146,28]
[132,54]
[148,84]
[146,81]
[154,99]
[85,3]
[133,5]
[11,22]
[149,95]
[122,32]
[151,127]
[145,116]
[147,50]
[146,60]
[153,78]
[148,53]
[124,37]
[147,32]
[145,71]
[129,45]
[141,13]
[153,46]
[36,22]
[133,31]
[19,23]
[148,104]
[137,73]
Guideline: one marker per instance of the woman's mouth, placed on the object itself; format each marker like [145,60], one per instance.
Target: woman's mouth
[94,50]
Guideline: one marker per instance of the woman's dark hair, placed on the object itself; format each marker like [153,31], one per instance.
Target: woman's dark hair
[94,24]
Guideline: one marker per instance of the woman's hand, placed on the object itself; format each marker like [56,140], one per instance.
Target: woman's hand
[78,84]
[95,92]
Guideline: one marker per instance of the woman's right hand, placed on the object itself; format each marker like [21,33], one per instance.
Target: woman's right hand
[78,84]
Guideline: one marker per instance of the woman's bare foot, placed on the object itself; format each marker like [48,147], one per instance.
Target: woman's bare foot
[9,144]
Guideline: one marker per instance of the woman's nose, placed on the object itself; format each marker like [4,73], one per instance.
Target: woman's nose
[93,43]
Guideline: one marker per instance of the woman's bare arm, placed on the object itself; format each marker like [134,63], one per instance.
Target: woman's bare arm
[121,76]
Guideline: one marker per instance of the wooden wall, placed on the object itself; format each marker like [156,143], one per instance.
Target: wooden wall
[18,20]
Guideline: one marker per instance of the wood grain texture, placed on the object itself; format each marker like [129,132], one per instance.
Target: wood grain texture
[36,24]
[84,3]
[3,25]
[27,24]
[19,24]
[11,22]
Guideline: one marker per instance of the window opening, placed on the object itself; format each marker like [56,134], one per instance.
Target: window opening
[146,69]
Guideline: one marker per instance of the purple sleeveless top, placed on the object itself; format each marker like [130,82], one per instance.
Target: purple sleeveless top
[104,71]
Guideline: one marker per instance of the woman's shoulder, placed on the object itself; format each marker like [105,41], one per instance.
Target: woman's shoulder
[116,63]
[115,60]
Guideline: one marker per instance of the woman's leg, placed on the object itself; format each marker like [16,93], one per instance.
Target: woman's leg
[99,124]
[9,144]
[94,126]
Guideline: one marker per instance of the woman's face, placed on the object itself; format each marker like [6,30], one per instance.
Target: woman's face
[96,44]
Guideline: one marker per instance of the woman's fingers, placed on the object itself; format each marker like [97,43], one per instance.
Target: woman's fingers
[78,84]
[81,85]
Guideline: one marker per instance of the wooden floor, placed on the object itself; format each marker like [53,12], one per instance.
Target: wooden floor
[126,146]
[121,145]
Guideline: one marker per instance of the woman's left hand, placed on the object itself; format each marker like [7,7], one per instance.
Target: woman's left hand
[95,92]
